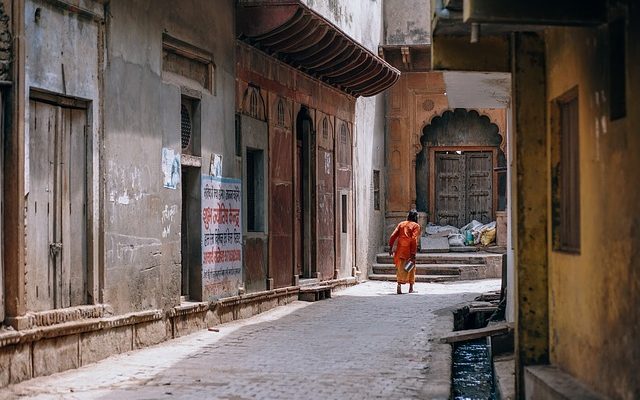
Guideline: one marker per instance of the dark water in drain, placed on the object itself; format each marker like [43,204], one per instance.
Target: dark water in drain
[472,372]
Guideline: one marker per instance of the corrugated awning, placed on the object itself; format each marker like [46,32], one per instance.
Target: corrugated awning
[298,36]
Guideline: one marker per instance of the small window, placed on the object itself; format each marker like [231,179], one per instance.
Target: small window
[376,190]
[617,69]
[344,213]
[280,113]
[190,126]
[255,190]
[238,137]
[325,128]
[566,176]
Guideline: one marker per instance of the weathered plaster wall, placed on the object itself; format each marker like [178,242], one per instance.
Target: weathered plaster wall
[142,115]
[594,296]
[362,20]
[70,68]
[407,22]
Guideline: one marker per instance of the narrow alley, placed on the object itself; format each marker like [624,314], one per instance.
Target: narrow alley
[236,199]
[364,343]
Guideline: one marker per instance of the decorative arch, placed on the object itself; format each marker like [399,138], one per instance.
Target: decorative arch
[253,103]
[282,114]
[457,128]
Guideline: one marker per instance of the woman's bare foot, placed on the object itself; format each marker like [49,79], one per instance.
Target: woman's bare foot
[399,290]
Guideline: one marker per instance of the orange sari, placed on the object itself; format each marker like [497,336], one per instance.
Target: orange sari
[406,234]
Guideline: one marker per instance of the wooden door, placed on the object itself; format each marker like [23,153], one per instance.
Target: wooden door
[56,271]
[479,190]
[450,189]
[463,187]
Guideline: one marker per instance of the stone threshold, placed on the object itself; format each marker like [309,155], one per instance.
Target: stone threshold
[64,339]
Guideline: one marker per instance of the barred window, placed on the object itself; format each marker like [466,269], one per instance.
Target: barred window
[185,126]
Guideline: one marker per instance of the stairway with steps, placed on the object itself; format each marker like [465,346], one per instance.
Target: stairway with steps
[442,267]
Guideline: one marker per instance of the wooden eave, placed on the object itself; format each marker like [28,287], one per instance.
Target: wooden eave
[300,37]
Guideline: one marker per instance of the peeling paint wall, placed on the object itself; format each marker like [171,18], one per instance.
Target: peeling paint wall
[407,22]
[142,219]
[594,296]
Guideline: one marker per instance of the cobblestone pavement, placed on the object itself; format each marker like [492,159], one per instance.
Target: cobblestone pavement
[364,343]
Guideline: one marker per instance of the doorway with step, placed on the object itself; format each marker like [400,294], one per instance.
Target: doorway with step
[463,182]
[57,270]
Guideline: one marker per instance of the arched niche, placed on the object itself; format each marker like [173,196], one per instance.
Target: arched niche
[458,128]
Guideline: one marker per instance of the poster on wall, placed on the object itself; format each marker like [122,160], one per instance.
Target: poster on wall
[170,168]
[221,237]
[215,166]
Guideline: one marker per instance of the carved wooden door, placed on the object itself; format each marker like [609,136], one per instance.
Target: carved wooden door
[479,188]
[464,187]
[450,189]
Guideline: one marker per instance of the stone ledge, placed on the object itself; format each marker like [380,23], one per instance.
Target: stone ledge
[549,382]
[76,327]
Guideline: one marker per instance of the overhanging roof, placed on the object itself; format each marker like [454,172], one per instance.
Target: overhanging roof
[300,37]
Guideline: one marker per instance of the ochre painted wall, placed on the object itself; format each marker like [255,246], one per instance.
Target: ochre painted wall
[594,297]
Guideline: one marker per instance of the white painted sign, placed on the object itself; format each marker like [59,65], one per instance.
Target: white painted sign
[221,237]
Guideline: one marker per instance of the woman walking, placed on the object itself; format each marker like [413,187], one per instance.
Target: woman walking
[407,234]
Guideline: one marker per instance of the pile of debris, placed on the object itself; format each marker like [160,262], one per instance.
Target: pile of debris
[472,234]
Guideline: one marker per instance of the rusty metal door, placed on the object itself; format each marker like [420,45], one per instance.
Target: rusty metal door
[325,190]
[56,271]
[464,187]
[306,195]
[299,219]
[281,190]
[479,201]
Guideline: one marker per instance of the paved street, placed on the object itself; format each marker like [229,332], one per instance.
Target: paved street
[364,343]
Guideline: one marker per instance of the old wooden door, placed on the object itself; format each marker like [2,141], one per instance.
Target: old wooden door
[479,189]
[450,189]
[463,187]
[56,273]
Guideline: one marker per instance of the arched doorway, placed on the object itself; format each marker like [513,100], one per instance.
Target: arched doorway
[458,170]
[305,183]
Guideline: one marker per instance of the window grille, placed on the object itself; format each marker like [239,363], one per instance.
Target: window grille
[185,126]
[376,190]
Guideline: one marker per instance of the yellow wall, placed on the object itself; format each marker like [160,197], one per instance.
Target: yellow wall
[594,297]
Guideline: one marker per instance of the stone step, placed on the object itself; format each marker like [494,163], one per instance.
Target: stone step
[419,278]
[442,258]
[461,272]
[425,269]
